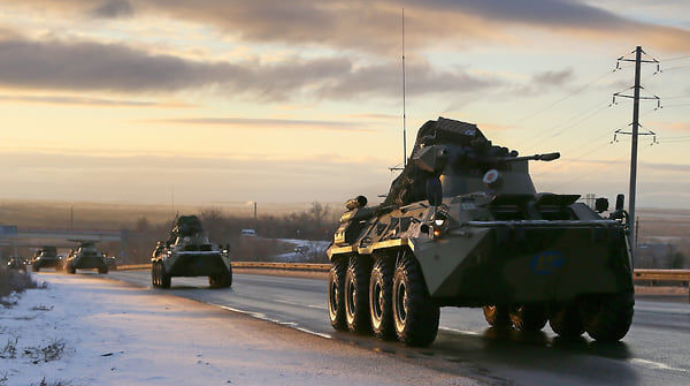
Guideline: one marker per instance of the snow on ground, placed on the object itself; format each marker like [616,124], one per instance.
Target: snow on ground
[308,249]
[84,330]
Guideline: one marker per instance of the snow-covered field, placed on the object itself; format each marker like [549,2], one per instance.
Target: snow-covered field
[84,330]
[305,250]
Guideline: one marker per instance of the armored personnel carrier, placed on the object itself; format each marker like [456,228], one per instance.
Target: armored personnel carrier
[188,252]
[464,226]
[86,256]
[46,257]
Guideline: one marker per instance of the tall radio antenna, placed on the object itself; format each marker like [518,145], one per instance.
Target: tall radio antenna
[404,117]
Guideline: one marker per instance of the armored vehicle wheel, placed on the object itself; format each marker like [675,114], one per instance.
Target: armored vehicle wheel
[415,317]
[607,318]
[381,298]
[497,316]
[165,279]
[565,320]
[154,275]
[336,294]
[103,270]
[221,280]
[36,268]
[357,295]
[528,317]
[70,269]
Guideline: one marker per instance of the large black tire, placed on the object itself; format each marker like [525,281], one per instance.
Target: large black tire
[381,298]
[36,268]
[565,320]
[415,317]
[336,294]
[165,279]
[607,318]
[357,295]
[528,317]
[221,280]
[155,281]
[103,270]
[70,269]
[497,316]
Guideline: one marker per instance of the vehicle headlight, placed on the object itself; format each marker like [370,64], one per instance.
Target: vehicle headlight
[440,219]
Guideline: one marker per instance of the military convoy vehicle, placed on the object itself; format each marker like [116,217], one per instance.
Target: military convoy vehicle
[188,252]
[464,226]
[16,264]
[46,257]
[86,256]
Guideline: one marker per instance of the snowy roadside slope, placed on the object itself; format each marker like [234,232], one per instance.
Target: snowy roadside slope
[115,334]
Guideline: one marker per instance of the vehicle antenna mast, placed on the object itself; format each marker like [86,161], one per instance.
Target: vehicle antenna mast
[404,117]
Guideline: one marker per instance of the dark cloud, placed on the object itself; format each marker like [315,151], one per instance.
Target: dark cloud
[250,123]
[84,101]
[112,9]
[374,26]
[89,66]
[553,78]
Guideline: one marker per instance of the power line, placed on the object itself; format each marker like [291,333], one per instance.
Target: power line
[567,96]
[676,58]
[575,119]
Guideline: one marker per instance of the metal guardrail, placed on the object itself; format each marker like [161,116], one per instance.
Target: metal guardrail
[308,267]
[681,275]
[662,274]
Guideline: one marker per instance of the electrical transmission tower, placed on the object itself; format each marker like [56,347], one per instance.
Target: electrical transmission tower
[635,133]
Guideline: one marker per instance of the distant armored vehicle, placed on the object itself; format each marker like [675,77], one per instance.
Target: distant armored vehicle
[464,226]
[86,256]
[46,257]
[188,252]
[15,263]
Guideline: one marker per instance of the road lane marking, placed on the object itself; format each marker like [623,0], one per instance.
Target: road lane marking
[466,332]
[300,304]
[657,365]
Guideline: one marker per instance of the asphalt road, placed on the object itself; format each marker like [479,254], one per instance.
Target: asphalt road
[656,351]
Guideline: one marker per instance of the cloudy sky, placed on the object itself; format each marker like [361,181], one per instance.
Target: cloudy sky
[293,101]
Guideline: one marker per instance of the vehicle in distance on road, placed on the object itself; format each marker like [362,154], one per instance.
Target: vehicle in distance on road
[248,232]
[86,256]
[188,252]
[46,257]
[464,226]
[16,263]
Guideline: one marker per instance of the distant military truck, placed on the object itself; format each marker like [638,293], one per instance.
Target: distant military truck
[188,252]
[46,257]
[86,256]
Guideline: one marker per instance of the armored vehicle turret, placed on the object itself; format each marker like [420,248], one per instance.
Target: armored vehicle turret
[86,256]
[188,252]
[464,226]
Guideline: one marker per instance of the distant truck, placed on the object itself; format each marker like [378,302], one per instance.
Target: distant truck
[188,252]
[86,256]
[248,232]
[46,257]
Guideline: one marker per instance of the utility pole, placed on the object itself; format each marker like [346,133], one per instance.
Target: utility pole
[255,212]
[635,133]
